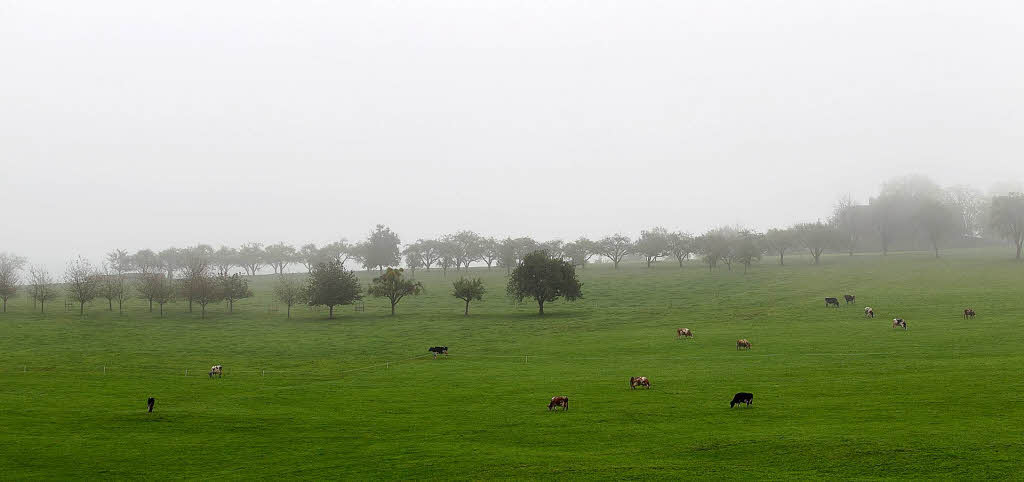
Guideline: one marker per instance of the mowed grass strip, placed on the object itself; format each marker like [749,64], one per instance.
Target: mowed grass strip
[835,394]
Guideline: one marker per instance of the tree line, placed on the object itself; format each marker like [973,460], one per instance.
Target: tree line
[909,212]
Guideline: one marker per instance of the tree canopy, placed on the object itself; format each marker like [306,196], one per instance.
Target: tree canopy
[329,284]
[544,279]
[393,285]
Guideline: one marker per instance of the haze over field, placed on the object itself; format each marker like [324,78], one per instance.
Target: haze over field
[133,125]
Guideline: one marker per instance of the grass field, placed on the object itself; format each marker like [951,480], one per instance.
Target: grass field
[836,395]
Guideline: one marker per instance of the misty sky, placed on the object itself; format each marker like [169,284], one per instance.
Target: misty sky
[150,124]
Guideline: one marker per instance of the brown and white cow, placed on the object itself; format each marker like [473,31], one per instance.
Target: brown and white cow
[684,332]
[639,382]
[217,370]
[868,312]
[743,343]
[899,322]
[968,313]
[559,401]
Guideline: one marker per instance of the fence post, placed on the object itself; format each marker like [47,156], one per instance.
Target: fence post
[186,372]
[104,369]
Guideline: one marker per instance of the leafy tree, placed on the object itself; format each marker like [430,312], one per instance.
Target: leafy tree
[82,282]
[716,245]
[205,289]
[380,250]
[146,261]
[41,286]
[816,237]
[448,253]
[468,290]
[171,260]
[780,241]
[938,221]
[330,284]
[490,251]
[10,266]
[339,250]
[120,261]
[288,292]
[393,286]
[413,257]
[224,260]
[251,258]
[162,292]
[279,256]
[309,255]
[195,277]
[615,248]
[544,279]
[680,246]
[847,222]
[469,248]
[554,248]
[653,244]
[1007,218]
[507,254]
[748,248]
[234,288]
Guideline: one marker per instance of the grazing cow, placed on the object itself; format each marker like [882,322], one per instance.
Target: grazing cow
[217,370]
[639,382]
[684,332]
[969,313]
[868,312]
[899,322]
[831,302]
[150,403]
[849,298]
[439,350]
[559,402]
[740,398]
[744,343]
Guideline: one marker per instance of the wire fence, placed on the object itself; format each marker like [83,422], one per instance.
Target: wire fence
[322,373]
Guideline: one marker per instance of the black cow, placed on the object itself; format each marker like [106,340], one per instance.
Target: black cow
[439,350]
[742,397]
[831,301]
[849,298]
[150,403]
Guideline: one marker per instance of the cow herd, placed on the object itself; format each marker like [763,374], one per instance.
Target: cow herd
[869,312]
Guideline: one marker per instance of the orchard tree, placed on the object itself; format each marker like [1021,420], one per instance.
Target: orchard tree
[41,286]
[146,261]
[468,290]
[816,237]
[82,282]
[339,250]
[10,267]
[554,248]
[234,288]
[507,254]
[288,292]
[330,284]
[615,248]
[1007,218]
[544,279]
[148,285]
[206,289]
[490,251]
[653,244]
[171,260]
[114,285]
[309,256]
[680,246]
[279,256]
[748,247]
[224,260]
[938,221]
[393,286]
[413,258]
[120,261]
[162,291]
[251,258]
[469,247]
[380,250]
[780,241]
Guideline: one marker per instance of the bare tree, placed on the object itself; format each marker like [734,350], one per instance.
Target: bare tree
[1008,218]
[10,267]
[490,251]
[82,282]
[111,286]
[41,286]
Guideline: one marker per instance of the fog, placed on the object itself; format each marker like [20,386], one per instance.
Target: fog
[140,125]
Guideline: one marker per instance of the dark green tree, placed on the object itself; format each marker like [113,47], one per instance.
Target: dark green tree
[393,286]
[329,284]
[468,290]
[543,278]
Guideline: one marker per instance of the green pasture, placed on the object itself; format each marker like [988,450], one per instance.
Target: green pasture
[835,395]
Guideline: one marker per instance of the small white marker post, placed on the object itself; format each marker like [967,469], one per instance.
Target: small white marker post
[263,373]
[104,369]
[24,369]
[387,365]
[186,372]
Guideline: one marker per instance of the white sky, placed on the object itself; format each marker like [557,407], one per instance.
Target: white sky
[149,124]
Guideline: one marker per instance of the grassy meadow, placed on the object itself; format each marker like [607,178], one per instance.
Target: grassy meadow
[359,397]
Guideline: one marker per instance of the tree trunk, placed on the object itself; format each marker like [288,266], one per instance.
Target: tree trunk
[161,310]
[467,307]
[110,304]
[648,262]
[151,305]
[782,258]
[189,305]
[1019,244]
[540,304]
[289,312]
[5,306]
[231,306]
[202,312]
[614,262]
[393,303]
[330,314]
[81,308]
[42,307]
